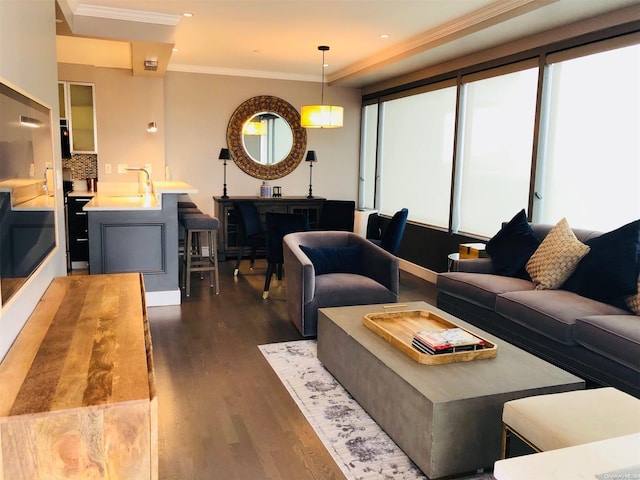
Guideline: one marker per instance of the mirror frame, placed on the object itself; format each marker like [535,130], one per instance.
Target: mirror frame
[251,107]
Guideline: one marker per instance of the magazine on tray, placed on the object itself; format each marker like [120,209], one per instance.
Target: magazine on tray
[446,341]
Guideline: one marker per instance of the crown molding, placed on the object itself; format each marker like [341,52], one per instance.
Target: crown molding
[111,13]
[489,15]
[237,72]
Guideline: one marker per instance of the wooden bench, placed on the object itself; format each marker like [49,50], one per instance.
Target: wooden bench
[77,396]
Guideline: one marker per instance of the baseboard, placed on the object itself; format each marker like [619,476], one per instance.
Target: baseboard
[161,299]
[418,271]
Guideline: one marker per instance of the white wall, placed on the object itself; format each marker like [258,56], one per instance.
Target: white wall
[198,108]
[28,62]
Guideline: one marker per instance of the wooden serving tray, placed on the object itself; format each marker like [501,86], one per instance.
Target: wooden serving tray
[398,328]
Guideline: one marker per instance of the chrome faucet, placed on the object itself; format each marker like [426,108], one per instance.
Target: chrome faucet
[147,184]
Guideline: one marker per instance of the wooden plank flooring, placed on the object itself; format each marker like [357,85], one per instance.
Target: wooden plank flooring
[223,413]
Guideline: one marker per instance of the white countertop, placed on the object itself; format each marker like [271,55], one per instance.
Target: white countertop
[39,203]
[126,200]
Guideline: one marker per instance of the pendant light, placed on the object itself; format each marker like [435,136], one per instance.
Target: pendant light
[321,116]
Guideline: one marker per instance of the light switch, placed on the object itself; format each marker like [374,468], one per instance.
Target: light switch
[122,168]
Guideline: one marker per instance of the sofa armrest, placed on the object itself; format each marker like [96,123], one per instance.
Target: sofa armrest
[473,265]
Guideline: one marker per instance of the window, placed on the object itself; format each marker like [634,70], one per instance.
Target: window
[590,171]
[369,135]
[417,155]
[495,143]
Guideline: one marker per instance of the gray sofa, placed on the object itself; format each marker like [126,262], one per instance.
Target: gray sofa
[596,341]
[370,277]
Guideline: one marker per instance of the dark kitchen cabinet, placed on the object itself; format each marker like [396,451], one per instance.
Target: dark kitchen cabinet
[78,231]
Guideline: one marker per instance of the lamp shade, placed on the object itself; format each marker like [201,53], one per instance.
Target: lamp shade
[321,116]
[224,154]
[311,156]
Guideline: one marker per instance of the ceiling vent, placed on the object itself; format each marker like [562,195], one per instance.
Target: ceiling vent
[151,65]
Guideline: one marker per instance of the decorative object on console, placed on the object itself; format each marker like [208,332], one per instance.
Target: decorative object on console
[277,192]
[311,157]
[265,189]
[321,116]
[224,155]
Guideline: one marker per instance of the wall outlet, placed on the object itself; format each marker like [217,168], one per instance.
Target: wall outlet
[107,168]
[122,168]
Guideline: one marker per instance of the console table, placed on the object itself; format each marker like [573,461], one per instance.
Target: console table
[78,395]
[228,231]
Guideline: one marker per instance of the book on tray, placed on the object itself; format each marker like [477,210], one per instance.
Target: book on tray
[450,340]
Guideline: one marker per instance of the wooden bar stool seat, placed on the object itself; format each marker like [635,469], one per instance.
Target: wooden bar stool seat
[195,225]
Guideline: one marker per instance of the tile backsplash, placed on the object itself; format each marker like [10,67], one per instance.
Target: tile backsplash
[82,165]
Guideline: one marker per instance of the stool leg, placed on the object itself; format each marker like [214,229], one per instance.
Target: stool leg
[214,249]
[237,269]
[189,259]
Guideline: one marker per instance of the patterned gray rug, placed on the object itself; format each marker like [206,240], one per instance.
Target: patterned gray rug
[356,443]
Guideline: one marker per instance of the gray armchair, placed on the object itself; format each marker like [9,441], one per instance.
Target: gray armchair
[376,281]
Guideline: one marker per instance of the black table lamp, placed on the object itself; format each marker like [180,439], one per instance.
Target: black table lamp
[311,157]
[224,155]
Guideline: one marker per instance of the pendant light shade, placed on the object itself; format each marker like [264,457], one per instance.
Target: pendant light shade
[321,116]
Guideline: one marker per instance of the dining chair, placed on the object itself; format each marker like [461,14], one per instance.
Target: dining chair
[392,235]
[337,215]
[278,225]
[250,231]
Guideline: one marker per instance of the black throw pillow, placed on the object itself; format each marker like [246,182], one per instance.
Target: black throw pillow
[334,259]
[512,246]
[611,268]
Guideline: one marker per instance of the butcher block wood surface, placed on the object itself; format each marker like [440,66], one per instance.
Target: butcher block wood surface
[78,393]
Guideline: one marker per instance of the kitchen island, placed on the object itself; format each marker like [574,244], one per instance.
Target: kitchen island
[133,232]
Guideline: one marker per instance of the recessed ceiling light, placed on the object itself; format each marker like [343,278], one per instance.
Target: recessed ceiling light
[384,35]
[187,14]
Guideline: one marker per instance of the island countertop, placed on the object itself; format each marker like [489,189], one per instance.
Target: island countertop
[126,200]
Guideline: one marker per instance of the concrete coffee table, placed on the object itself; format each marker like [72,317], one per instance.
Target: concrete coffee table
[446,418]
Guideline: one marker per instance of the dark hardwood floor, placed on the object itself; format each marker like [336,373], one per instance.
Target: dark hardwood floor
[223,413]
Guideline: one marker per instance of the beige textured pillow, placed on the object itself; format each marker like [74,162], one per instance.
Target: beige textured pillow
[633,301]
[556,258]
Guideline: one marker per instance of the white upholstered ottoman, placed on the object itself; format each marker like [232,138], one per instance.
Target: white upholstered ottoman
[559,420]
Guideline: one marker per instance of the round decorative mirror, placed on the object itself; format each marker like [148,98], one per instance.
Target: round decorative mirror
[265,137]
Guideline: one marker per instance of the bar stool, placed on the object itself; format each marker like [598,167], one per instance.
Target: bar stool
[195,225]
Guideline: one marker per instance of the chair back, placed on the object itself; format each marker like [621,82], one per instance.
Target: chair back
[279,225]
[392,235]
[247,220]
[337,215]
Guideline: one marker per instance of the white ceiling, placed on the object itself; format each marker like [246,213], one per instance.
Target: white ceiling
[279,39]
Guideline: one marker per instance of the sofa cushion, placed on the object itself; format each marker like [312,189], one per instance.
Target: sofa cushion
[512,246]
[551,313]
[615,336]
[334,259]
[610,270]
[556,258]
[479,288]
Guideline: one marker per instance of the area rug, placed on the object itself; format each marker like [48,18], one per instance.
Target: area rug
[357,444]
